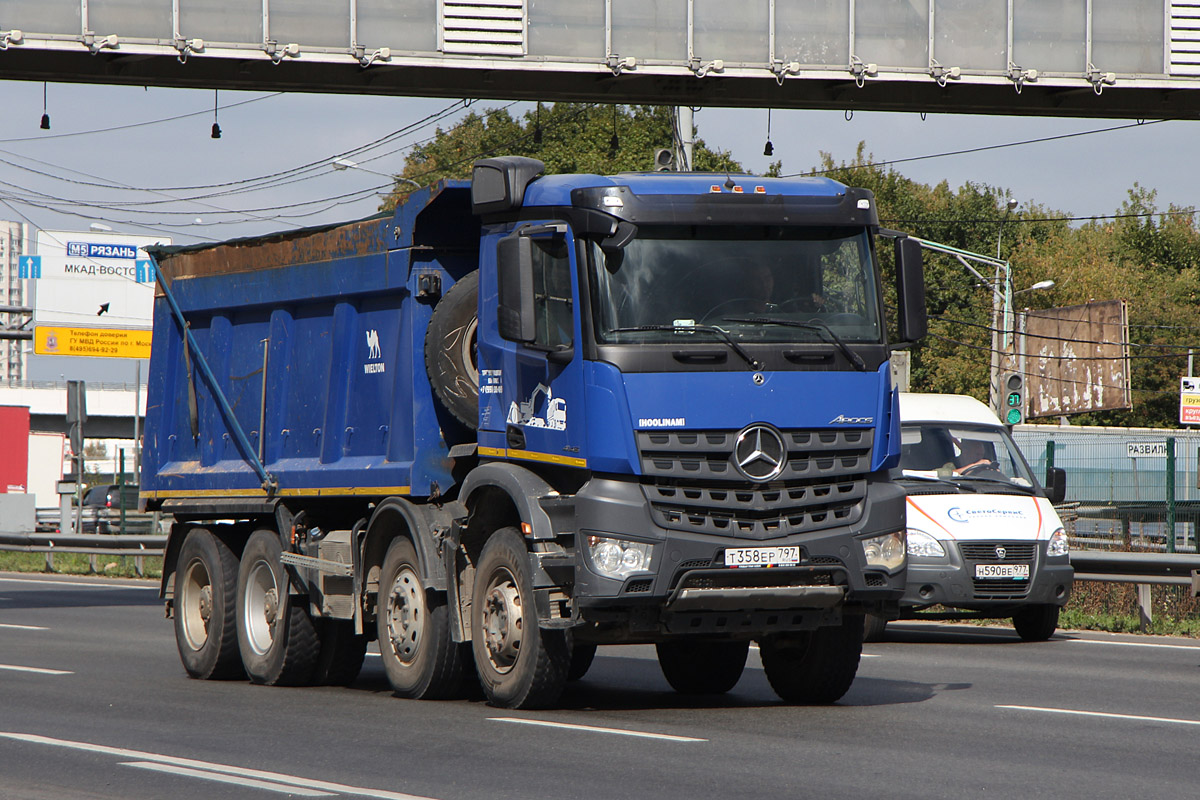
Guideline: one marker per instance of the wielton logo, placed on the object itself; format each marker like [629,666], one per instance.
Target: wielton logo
[373,352]
[759,453]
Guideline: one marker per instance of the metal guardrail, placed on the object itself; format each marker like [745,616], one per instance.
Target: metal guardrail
[93,544]
[1141,569]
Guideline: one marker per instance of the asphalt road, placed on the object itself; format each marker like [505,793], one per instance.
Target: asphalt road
[94,704]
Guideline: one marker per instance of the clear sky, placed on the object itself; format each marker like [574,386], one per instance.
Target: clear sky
[269,170]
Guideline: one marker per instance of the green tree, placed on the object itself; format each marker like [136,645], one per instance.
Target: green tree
[567,137]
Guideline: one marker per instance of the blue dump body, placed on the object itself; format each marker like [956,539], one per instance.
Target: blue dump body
[529,415]
[347,403]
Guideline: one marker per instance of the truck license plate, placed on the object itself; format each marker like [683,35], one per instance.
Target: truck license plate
[1017,572]
[762,556]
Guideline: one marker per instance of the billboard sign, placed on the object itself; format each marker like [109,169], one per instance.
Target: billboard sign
[90,281]
[1189,401]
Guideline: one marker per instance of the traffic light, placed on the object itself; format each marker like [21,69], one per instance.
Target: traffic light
[1013,403]
[664,160]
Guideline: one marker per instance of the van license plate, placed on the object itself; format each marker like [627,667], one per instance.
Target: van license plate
[762,556]
[1017,572]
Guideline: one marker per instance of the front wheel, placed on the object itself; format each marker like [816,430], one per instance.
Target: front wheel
[519,664]
[278,642]
[815,667]
[1036,623]
[421,658]
[873,628]
[205,602]
[700,667]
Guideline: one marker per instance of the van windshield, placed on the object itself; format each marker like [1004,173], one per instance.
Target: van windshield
[933,450]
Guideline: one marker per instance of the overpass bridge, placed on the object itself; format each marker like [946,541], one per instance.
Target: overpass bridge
[110,409]
[1072,58]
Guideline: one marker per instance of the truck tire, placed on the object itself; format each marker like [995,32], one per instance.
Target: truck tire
[420,657]
[700,667]
[205,603]
[450,350]
[873,628]
[582,656]
[814,667]
[520,665]
[278,642]
[1036,623]
[341,655]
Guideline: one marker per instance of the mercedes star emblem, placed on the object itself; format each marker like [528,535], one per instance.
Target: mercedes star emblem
[759,453]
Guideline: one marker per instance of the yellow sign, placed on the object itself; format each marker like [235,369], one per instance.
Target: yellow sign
[94,342]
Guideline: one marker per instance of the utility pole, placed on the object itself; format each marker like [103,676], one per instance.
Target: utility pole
[684,120]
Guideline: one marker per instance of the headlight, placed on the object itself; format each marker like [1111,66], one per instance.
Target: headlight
[1058,546]
[885,551]
[618,558]
[921,543]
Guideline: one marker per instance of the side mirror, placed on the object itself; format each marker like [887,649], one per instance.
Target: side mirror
[910,290]
[514,276]
[1056,485]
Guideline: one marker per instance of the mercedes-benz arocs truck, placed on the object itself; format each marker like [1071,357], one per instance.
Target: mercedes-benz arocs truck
[531,414]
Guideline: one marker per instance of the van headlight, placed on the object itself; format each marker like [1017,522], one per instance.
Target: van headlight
[1058,545]
[885,551]
[619,558]
[922,544]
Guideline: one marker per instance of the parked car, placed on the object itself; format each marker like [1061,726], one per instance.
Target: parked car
[101,509]
[984,540]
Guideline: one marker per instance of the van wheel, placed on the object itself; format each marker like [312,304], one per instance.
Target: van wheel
[205,603]
[873,628]
[421,658]
[519,664]
[699,667]
[1036,623]
[450,350]
[278,642]
[814,667]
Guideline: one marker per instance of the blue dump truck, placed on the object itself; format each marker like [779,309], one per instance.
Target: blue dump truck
[531,414]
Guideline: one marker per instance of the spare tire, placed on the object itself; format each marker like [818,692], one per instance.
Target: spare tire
[450,350]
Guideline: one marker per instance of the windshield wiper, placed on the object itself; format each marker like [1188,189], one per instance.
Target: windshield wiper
[823,330]
[936,479]
[720,333]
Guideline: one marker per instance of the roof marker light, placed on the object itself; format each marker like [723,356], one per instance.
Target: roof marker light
[760,190]
[715,188]
[864,204]
[610,201]
[737,190]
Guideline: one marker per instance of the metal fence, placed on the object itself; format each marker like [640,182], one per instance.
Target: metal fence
[1135,488]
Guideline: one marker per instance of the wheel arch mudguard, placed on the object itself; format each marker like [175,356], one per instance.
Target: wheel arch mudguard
[427,526]
[524,489]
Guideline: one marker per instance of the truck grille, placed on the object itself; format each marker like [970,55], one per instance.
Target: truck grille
[694,486]
[985,553]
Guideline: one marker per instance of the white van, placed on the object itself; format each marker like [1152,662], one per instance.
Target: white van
[984,540]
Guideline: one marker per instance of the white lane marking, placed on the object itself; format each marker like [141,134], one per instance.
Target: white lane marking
[1193,648]
[38,670]
[249,783]
[21,627]
[227,769]
[82,584]
[594,729]
[1131,717]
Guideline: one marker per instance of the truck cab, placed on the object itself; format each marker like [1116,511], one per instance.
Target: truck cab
[983,538]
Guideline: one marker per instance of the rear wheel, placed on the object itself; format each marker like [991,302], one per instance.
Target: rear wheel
[814,667]
[873,628]
[205,603]
[700,667]
[421,658]
[450,350]
[519,664]
[278,642]
[341,655]
[1036,623]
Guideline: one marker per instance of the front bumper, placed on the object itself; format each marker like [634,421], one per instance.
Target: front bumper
[689,590]
[951,581]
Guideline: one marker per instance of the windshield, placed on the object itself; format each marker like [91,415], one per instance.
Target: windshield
[737,278]
[933,450]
